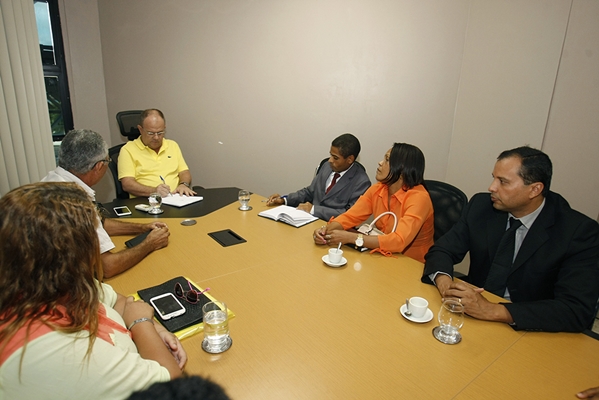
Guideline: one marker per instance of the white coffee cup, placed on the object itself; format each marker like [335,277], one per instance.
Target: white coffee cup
[335,255]
[418,306]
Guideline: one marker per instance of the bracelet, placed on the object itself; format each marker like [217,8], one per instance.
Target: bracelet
[185,184]
[137,321]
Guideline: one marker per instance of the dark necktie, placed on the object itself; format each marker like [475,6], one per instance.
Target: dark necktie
[335,177]
[504,258]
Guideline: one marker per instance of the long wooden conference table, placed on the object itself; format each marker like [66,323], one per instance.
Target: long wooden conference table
[304,330]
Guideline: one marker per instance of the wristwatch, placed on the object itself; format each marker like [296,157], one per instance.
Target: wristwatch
[185,184]
[360,240]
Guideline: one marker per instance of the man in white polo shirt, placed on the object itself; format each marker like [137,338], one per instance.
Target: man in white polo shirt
[83,159]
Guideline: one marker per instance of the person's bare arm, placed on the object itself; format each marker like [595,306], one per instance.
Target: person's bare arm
[147,340]
[135,188]
[115,263]
[333,234]
[115,227]
[184,176]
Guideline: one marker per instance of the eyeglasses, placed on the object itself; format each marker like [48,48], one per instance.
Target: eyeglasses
[191,296]
[104,161]
[101,209]
[154,133]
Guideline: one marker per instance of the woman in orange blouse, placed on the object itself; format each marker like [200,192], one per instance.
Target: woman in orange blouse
[400,189]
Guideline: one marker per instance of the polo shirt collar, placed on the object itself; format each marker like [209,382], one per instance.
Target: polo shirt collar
[138,142]
[60,171]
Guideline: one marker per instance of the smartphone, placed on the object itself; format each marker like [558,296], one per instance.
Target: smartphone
[122,211]
[167,306]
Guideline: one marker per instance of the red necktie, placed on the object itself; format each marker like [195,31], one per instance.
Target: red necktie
[335,177]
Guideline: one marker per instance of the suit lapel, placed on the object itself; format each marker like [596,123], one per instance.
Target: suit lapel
[339,186]
[496,228]
[536,236]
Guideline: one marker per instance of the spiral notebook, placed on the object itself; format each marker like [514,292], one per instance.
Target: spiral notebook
[189,323]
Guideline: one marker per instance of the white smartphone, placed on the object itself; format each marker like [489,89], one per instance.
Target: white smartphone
[122,211]
[167,306]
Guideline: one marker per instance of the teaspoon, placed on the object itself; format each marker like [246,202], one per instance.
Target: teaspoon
[408,312]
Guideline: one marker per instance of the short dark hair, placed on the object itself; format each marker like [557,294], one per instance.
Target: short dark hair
[146,113]
[348,145]
[183,388]
[405,161]
[536,166]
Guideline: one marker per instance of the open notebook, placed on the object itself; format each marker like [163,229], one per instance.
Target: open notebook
[288,215]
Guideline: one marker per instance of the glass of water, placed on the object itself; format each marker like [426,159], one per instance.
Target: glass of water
[216,327]
[155,201]
[451,320]
[244,199]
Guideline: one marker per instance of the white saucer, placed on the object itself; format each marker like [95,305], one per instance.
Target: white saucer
[325,259]
[428,315]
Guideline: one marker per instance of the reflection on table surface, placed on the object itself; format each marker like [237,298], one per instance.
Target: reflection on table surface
[304,330]
[213,199]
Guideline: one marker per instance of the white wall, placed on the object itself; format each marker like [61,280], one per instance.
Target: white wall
[83,52]
[276,81]
[572,137]
[509,67]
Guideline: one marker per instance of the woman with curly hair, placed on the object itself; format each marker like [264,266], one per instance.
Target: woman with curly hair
[63,334]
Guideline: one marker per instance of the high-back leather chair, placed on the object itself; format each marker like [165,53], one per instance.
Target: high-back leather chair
[448,203]
[113,153]
[128,121]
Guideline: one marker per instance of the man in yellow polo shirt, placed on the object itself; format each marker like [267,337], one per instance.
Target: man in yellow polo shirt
[151,163]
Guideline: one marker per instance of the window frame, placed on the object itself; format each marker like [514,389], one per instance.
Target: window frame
[59,69]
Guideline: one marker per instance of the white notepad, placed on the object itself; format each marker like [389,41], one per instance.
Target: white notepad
[180,201]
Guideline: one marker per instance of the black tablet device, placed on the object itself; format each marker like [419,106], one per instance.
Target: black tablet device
[227,237]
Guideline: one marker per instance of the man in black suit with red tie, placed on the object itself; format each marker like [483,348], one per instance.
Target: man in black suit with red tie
[547,264]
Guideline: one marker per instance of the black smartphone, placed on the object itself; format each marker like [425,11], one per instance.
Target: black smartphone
[137,239]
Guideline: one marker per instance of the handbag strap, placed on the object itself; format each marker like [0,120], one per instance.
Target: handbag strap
[372,224]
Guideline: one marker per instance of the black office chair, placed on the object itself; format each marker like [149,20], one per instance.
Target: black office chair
[128,121]
[113,153]
[320,165]
[448,202]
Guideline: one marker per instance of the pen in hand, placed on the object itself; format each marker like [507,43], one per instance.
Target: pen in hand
[162,179]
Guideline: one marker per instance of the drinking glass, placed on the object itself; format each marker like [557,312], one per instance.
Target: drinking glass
[244,199]
[451,318]
[216,327]
[155,201]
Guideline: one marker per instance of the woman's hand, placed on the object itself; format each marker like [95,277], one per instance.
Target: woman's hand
[319,235]
[332,234]
[173,344]
[334,237]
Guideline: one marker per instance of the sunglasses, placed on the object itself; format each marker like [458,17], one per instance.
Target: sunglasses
[191,296]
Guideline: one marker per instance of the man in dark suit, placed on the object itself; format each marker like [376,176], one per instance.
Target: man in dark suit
[336,186]
[552,272]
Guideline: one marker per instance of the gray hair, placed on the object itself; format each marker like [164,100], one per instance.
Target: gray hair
[80,151]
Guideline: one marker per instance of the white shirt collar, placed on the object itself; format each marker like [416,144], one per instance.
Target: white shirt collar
[529,219]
